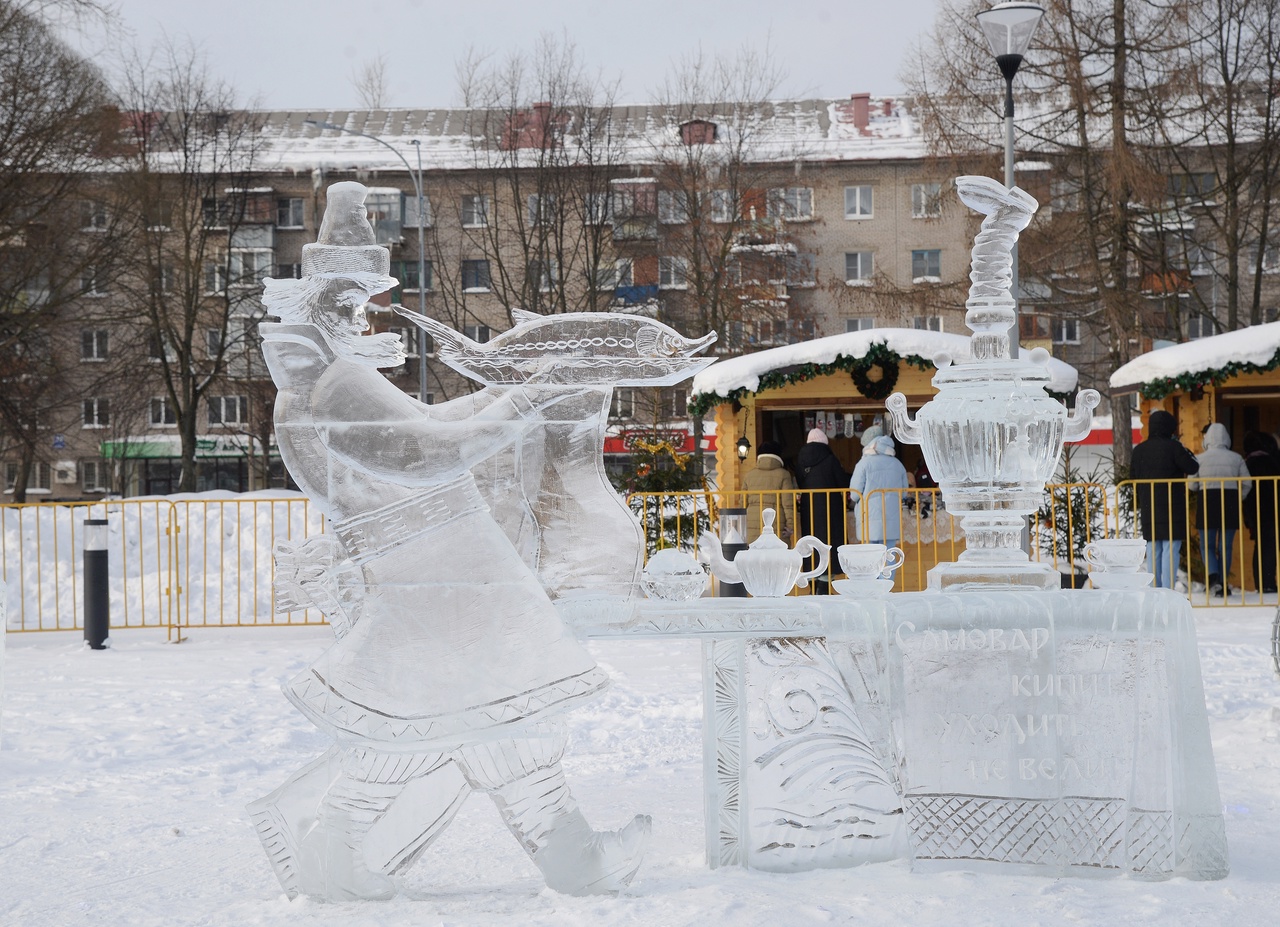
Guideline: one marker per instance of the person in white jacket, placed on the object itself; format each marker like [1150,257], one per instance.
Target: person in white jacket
[1222,484]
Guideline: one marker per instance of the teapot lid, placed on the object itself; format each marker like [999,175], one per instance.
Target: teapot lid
[768,540]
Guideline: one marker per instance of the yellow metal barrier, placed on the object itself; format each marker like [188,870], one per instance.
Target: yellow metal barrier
[1204,512]
[173,564]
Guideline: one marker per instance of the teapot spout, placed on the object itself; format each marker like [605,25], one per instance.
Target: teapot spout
[709,553]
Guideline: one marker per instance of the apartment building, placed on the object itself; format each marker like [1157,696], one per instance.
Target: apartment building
[792,221]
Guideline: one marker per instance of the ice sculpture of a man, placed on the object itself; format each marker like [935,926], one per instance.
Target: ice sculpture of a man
[452,666]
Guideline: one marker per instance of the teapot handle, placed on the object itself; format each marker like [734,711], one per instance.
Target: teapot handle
[809,545]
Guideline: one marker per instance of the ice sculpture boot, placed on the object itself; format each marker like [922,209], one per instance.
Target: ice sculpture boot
[576,860]
[573,858]
[333,866]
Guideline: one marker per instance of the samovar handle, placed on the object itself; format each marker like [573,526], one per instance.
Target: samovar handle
[904,429]
[1081,418]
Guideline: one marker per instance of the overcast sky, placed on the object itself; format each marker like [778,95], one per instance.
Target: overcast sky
[301,54]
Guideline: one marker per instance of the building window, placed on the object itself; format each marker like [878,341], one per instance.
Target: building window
[408,272]
[94,217]
[928,323]
[94,476]
[250,268]
[289,212]
[720,206]
[478,333]
[162,412]
[94,344]
[475,276]
[475,210]
[673,273]
[228,410]
[1066,331]
[1065,195]
[858,202]
[926,266]
[540,208]
[858,267]
[624,271]
[597,208]
[673,207]
[411,219]
[93,282]
[543,274]
[860,323]
[97,413]
[1199,326]
[288,271]
[39,477]
[385,215]
[623,404]
[215,277]
[1190,186]
[791,203]
[926,200]
[1271,258]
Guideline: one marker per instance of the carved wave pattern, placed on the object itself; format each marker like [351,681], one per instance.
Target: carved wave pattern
[820,795]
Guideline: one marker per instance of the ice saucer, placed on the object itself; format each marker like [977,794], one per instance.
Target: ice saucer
[1101,580]
[863,587]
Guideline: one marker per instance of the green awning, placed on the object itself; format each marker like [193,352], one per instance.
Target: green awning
[162,446]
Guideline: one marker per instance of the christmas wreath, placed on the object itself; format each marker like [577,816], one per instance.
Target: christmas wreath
[875,389]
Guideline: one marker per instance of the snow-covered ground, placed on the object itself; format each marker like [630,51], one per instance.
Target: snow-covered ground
[124,775]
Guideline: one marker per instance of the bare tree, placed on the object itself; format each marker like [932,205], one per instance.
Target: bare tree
[199,233]
[1083,101]
[53,128]
[371,83]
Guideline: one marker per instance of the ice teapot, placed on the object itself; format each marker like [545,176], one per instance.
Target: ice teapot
[768,568]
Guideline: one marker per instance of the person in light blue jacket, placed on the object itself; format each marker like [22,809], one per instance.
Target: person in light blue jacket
[879,469]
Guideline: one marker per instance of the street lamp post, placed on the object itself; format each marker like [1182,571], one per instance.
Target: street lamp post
[1009,28]
[416,177]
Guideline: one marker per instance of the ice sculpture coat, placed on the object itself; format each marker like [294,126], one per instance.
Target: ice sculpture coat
[456,636]
[1162,509]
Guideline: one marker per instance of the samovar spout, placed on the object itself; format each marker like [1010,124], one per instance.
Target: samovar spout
[1081,418]
[905,429]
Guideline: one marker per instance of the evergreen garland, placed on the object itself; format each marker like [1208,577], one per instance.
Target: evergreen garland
[878,355]
[1186,382]
[875,389]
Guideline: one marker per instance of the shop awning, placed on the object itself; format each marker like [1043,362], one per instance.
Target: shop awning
[164,446]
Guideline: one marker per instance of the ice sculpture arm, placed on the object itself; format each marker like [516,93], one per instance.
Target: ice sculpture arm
[386,434]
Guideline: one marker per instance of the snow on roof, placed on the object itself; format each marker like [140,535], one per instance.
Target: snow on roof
[1254,345]
[745,372]
[806,130]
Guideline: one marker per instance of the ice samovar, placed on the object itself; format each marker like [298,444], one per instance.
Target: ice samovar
[992,435]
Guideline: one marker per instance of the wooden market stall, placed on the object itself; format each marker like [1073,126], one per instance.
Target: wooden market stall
[1232,378]
[839,383]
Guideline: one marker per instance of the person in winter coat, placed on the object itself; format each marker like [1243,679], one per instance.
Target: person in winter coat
[821,514]
[1262,457]
[1218,508]
[763,487]
[1162,507]
[880,511]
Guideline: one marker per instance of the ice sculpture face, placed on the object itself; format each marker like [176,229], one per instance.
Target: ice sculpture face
[452,666]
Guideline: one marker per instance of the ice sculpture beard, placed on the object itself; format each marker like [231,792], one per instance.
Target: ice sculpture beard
[335,304]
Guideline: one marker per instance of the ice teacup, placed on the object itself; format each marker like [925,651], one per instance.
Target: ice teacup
[868,561]
[1116,555]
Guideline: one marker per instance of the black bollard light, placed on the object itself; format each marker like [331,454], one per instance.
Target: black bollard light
[97,608]
[733,538]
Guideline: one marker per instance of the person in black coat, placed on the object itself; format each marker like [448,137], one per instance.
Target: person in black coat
[1162,508]
[822,514]
[1262,457]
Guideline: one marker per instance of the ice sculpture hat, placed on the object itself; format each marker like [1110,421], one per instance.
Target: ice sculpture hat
[346,244]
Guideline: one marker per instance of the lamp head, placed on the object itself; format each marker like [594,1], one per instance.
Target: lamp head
[1009,28]
[744,447]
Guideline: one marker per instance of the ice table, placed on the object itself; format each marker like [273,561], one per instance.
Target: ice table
[1055,732]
